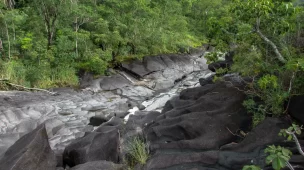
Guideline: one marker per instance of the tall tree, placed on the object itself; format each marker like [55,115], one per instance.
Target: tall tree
[51,10]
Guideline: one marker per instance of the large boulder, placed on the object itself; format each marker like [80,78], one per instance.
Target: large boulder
[202,122]
[102,144]
[30,152]
[207,128]
[194,126]
[251,149]
[264,134]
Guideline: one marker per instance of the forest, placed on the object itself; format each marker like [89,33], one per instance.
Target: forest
[47,43]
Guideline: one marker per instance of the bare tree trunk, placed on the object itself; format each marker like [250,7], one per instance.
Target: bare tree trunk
[274,47]
[10,4]
[8,37]
[50,18]
[1,49]
[76,38]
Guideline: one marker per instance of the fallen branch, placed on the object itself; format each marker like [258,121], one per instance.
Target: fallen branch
[27,88]
[234,134]
[3,79]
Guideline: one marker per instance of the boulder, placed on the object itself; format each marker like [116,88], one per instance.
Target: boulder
[30,152]
[113,82]
[222,64]
[98,120]
[104,165]
[194,126]
[251,149]
[205,81]
[264,134]
[102,144]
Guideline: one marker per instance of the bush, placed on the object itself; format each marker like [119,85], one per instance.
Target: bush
[38,75]
[14,71]
[137,152]
[64,76]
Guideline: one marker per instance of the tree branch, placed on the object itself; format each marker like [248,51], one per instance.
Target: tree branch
[296,141]
[289,166]
[274,47]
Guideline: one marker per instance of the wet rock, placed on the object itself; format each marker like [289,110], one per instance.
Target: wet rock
[164,70]
[32,151]
[137,93]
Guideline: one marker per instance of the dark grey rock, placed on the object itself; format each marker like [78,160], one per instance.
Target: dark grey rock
[164,70]
[237,160]
[141,107]
[97,120]
[205,81]
[296,107]
[114,122]
[113,82]
[201,124]
[30,152]
[264,134]
[103,144]
[163,161]
[102,165]
[222,64]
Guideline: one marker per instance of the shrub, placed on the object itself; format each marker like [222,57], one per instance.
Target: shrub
[14,71]
[137,152]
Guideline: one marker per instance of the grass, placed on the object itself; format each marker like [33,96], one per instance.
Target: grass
[39,75]
[137,152]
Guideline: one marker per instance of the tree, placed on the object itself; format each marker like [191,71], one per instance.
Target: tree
[261,31]
[51,11]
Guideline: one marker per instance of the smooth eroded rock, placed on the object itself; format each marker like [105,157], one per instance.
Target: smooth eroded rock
[103,144]
[30,152]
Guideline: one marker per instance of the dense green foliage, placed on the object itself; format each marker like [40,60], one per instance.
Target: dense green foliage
[267,38]
[46,42]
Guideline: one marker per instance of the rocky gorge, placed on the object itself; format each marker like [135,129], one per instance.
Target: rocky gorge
[188,121]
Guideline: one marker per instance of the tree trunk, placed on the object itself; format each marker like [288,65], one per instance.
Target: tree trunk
[8,37]
[274,47]
[76,36]
[1,49]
